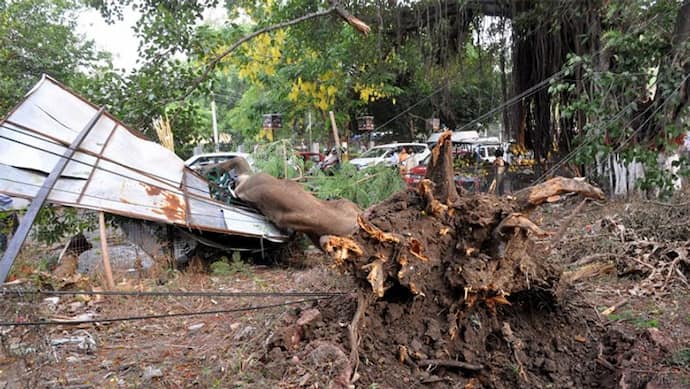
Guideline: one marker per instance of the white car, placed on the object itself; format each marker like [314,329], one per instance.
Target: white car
[198,161]
[382,154]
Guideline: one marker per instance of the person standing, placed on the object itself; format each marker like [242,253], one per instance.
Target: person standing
[402,157]
[394,159]
[412,161]
[500,168]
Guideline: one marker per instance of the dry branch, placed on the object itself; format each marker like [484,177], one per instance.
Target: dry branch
[539,194]
[566,223]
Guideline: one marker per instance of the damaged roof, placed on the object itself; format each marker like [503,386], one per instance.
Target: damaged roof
[114,169]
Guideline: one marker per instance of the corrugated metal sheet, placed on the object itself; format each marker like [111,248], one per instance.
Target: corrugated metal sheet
[114,170]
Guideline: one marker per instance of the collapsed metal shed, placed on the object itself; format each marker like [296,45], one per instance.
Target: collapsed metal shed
[114,169]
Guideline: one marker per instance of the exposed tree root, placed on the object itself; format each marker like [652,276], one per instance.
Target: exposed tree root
[363,301]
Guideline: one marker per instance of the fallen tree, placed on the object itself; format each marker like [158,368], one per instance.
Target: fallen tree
[441,266]
[435,241]
[448,283]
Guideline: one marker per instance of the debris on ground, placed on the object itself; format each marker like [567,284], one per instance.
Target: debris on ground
[481,292]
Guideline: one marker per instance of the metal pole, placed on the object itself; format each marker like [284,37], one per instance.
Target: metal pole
[215,123]
[28,220]
[309,129]
[335,135]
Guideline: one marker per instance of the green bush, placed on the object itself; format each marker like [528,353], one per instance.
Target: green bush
[363,187]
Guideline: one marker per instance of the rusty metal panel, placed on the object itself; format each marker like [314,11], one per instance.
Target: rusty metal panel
[133,177]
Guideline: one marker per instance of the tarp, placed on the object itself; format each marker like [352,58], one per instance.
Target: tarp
[115,169]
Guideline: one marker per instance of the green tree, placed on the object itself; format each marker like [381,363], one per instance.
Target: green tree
[634,99]
[37,37]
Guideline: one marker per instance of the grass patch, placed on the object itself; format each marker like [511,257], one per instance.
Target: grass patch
[225,267]
[641,321]
[681,358]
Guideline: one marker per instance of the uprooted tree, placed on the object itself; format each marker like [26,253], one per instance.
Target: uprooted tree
[481,242]
[456,253]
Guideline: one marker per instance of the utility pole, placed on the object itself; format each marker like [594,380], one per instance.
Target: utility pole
[309,130]
[215,123]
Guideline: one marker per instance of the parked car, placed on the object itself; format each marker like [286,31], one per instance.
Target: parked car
[382,154]
[310,156]
[198,161]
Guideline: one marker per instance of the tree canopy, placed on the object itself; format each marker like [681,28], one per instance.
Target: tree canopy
[558,76]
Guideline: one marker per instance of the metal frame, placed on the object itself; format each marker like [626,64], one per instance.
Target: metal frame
[28,220]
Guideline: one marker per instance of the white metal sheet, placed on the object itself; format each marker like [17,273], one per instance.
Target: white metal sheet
[132,176]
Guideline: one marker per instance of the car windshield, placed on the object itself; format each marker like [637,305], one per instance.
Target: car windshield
[375,153]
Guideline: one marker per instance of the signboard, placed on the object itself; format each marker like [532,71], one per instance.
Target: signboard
[365,123]
[273,120]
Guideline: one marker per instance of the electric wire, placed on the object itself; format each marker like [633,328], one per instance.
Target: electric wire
[159,316]
[620,113]
[26,292]
[515,99]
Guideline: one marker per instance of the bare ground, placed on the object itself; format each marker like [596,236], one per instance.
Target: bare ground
[624,255]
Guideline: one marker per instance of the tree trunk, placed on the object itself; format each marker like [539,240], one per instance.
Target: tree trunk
[674,70]
[440,170]
[681,44]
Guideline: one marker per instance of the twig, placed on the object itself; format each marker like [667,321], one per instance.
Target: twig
[682,277]
[602,361]
[451,363]
[516,345]
[591,258]
[643,263]
[683,204]
[613,308]
[670,271]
